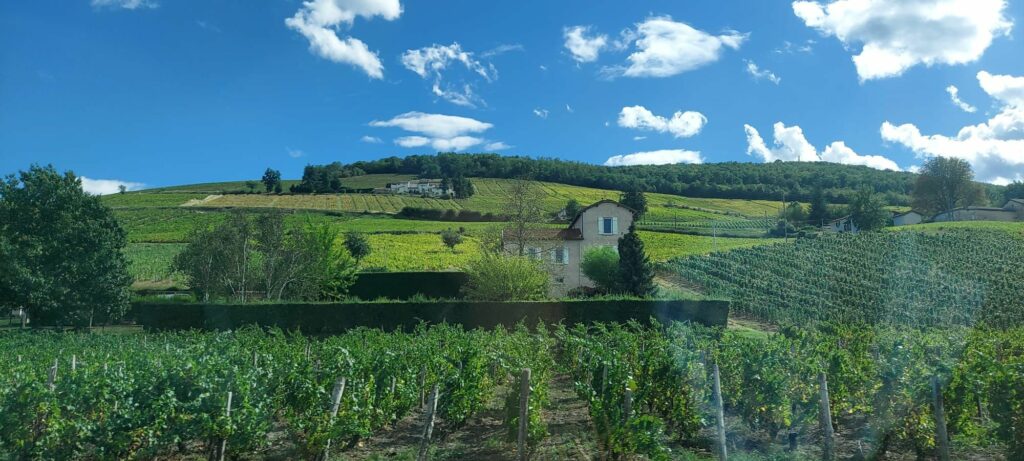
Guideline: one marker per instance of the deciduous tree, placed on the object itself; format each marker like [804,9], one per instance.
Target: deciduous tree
[601,264]
[62,249]
[944,184]
[272,180]
[502,277]
[358,246]
[634,198]
[867,210]
[523,207]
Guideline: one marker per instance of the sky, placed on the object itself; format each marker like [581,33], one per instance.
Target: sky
[149,93]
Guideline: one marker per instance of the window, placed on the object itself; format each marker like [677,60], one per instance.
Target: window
[560,255]
[607,225]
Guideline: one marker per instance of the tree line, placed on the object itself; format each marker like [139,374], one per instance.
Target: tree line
[798,180]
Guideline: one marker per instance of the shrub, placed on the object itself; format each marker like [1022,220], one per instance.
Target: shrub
[601,264]
[498,277]
[450,238]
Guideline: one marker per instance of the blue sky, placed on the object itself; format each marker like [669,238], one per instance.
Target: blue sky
[161,92]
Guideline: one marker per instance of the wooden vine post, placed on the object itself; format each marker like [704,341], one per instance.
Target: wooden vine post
[524,414]
[52,382]
[723,453]
[339,390]
[428,428]
[223,449]
[627,405]
[941,436]
[827,433]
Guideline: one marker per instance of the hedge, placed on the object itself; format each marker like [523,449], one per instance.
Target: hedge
[405,285]
[335,318]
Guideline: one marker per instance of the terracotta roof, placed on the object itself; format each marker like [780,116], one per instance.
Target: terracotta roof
[546,234]
[613,202]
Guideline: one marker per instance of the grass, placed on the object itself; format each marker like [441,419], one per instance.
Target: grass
[147,199]
[662,246]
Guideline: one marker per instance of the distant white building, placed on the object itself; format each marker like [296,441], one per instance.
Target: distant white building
[428,187]
[1012,211]
[841,225]
[908,218]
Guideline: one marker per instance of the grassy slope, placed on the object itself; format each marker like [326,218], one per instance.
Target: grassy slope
[1015,228]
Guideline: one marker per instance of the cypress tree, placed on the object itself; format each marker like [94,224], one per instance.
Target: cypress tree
[636,274]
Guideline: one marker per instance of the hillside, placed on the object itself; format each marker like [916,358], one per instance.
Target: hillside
[956,276]
[489,197]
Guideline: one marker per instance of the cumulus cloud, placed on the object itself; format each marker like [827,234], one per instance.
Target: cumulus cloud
[681,125]
[126,4]
[582,47]
[371,139]
[759,73]
[431,63]
[665,48]
[791,145]
[496,146]
[320,20]
[896,35]
[107,186]
[954,95]
[657,157]
[442,132]
[994,148]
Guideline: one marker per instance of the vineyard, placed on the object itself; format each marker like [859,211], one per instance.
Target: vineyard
[958,277]
[647,390]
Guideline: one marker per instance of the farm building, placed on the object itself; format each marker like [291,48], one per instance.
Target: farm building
[562,250]
[844,224]
[1012,211]
[427,187]
[908,218]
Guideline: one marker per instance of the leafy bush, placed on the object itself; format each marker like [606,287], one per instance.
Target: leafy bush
[497,277]
[601,264]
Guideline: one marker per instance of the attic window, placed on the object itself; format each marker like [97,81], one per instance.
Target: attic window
[607,225]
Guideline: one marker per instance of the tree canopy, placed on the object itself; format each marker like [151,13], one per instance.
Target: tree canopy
[944,184]
[61,250]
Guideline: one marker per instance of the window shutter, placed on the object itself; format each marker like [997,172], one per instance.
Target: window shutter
[565,255]
[615,225]
[600,225]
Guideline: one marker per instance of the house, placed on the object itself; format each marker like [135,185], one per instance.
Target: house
[427,187]
[908,218]
[562,249]
[844,224]
[1013,210]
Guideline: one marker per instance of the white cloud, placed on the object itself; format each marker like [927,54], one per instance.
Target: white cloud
[126,4]
[954,95]
[434,60]
[791,145]
[496,146]
[371,139]
[568,109]
[897,35]
[639,138]
[838,152]
[542,113]
[994,148]
[759,73]
[442,132]
[580,46]
[657,157]
[295,153]
[665,48]
[319,21]
[107,186]
[681,125]
[789,48]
